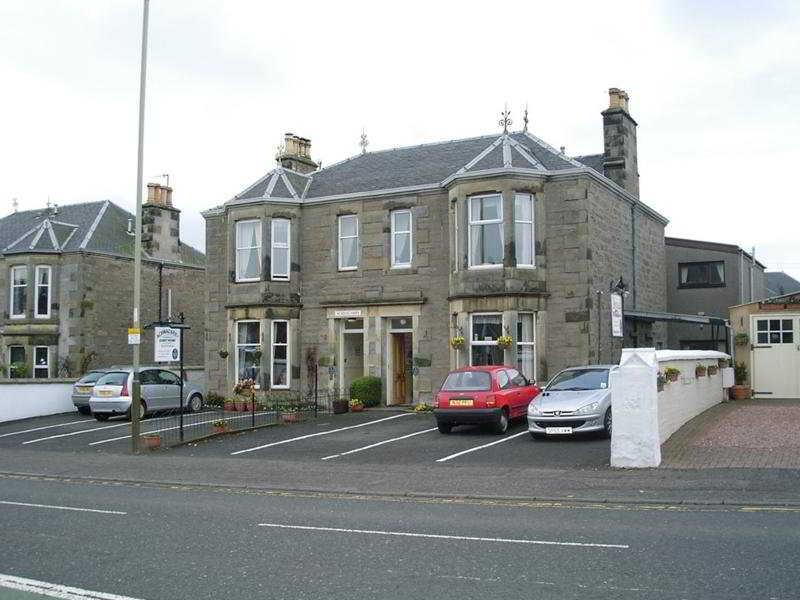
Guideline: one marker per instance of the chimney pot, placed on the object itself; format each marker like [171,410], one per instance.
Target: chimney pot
[296,154]
[618,98]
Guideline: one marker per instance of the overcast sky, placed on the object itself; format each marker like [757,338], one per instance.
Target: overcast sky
[714,86]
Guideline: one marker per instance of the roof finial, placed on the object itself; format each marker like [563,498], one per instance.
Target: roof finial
[278,153]
[48,203]
[14,204]
[364,142]
[525,119]
[506,120]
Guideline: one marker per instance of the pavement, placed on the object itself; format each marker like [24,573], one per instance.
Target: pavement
[150,542]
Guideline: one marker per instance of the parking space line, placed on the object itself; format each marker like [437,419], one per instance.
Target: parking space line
[57,507]
[311,435]
[71,433]
[124,437]
[435,536]
[53,590]
[389,441]
[476,448]
[45,427]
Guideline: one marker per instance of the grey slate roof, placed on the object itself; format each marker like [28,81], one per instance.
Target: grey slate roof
[100,227]
[595,161]
[780,283]
[426,164]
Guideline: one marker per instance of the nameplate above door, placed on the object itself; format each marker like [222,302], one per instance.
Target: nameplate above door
[349,313]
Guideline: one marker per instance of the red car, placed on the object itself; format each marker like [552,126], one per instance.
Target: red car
[483,395]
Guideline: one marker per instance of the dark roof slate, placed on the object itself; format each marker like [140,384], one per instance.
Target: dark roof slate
[595,161]
[780,283]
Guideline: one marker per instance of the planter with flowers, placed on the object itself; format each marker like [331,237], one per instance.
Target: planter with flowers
[244,392]
[356,405]
[457,342]
[229,405]
[219,426]
[740,391]
[505,341]
[712,370]
[671,373]
[700,371]
[151,441]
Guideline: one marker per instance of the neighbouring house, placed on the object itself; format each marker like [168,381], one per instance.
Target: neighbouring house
[767,334]
[780,283]
[67,276]
[703,280]
[377,264]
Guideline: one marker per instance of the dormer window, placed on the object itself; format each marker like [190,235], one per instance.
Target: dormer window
[248,250]
[486,231]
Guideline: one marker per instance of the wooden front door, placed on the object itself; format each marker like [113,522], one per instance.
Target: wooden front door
[401,368]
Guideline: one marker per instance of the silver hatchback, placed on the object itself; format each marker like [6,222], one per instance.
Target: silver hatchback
[82,390]
[576,400]
[160,390]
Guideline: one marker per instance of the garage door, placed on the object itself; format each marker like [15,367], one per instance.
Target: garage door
[776,356]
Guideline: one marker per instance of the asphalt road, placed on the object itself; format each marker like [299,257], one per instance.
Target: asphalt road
[195,543]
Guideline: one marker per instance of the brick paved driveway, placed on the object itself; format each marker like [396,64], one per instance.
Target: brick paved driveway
[751,433]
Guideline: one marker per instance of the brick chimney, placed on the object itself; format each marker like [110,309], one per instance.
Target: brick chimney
[296,154]
[619,136]
[161,224]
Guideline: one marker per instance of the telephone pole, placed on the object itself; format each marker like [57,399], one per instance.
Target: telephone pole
[137,252]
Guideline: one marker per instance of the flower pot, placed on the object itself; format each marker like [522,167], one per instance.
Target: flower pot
[712,370]
[229,405]
[357,408]
[339,406]
[699,372]
[151,442]
[741,392]
[220,428]
[293,416]
[673,377]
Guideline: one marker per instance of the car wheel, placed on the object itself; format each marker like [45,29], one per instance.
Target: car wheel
[444,427]
[101,416]
[84,410]
[502,423]
[142,410]
[195,403]
[607,424]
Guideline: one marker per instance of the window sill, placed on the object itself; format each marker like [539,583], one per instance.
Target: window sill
[280,387]
[483,267]
[280,279]
[348,268]
[248,280]
[16,317]
[526,267]
[401,267]
[700,286]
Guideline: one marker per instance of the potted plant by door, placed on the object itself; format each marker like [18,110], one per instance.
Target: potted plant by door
[356,405]
[712,370]
[671,373]
[700,371]
[741,339]
[740,391]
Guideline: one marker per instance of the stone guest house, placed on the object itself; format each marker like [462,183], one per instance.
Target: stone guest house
[373,264]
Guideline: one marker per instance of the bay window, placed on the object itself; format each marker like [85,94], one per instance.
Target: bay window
[248,351]
[280,263]
[43,276]
[523,230]
[526,345]
[485,329]
[248,250]
[348,242]
[19,291]
[401,238]
[279,362]
[486,231]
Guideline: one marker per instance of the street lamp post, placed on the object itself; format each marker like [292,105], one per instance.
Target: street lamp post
[137,252]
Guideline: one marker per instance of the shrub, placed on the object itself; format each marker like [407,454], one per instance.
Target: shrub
[214,399]
[740,373]
[423,407]
[367,389]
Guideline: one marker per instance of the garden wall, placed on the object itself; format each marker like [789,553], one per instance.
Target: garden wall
[25,398]
[645,416]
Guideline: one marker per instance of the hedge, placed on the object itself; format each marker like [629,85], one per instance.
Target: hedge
[366,389]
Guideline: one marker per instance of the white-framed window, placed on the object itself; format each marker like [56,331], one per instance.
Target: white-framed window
[485,329]
[348,242]
[41,362]
[486,231]
[279,356]
[43,278]
[248,250]
[526,345]
[280,238]
[248,345]
[401,238]
[19,291]
[17,365]
[524,232]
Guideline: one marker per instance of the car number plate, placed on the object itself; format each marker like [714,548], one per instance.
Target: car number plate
[557,430]
[104,393]
[461,402]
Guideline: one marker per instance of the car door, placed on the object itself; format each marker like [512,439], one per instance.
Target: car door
[171,386]
[149,389]
[518,392]
[505,392]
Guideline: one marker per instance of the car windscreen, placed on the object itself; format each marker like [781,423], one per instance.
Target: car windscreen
[467,380]
[580,379]
[91,377]
[115,378]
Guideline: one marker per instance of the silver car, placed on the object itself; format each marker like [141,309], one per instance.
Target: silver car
[576,400]
[82,390]
[160,390]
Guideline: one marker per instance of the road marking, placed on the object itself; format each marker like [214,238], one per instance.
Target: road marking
[56,507]
[310,435]
[435,536]
[476,448]
[53,590]
[124,437]
[389,441]
[45,427]
[60,435]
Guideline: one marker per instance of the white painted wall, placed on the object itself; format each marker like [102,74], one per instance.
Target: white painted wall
[33,398]
[645,418]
